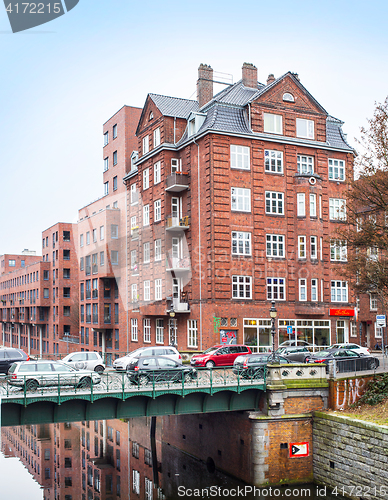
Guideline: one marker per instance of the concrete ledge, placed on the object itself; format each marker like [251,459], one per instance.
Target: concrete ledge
[352,421]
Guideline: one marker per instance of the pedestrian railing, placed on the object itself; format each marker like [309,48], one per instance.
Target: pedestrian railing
[58,388]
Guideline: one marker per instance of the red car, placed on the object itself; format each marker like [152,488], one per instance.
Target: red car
[219,355]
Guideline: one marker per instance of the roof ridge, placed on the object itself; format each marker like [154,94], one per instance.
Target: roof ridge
[171,97]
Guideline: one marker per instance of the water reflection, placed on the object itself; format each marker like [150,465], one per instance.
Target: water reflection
[113,460]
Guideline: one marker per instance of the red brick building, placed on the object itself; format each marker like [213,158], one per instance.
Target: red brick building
[232,204]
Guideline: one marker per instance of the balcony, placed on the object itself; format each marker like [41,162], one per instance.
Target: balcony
[175,224]
[177,182]
[178,265]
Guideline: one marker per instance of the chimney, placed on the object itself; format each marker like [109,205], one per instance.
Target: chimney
[249,75]
[204,84]
[270,78]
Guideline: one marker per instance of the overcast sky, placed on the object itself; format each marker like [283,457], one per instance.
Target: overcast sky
[61,81]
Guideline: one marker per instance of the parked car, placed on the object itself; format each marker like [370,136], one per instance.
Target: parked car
[34,374]
[147,369]
[9,355]
[294,343]
[219,355]
[348,345]
[253,365]
[347,360]
[85,361]
[121,364]
[297,353]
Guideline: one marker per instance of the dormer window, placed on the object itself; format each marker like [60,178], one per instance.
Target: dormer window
[288,97]
[151,116]
[195,122]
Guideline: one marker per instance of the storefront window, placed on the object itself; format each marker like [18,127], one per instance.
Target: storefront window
[314,332]
[257,334]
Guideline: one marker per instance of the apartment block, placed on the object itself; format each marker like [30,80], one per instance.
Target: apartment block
[233,204]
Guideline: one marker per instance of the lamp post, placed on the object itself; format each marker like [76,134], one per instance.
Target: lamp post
[273,314]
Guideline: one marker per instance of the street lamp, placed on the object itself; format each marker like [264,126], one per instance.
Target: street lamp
[273,314]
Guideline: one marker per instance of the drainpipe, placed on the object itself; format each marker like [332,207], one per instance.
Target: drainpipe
[174,128]
[200,248]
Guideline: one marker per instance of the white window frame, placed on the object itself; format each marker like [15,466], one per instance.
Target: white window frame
[134,293]
[337,208]
[240,157]
[158,289]
[275,245]
[146,145]
[147,290]
[134,260]
[313,205]
[106,188]
[273,123]
[314,290]
[159,331]
[276,288]
[106,138]
[147,330]
[274,203]
[157,137]
[241,243]
[192,333]
[176,165]
[302,250]
[305,128]
[336,170]
[134,330]
[305,164]
[242,287]
[102,233]
[373,298]
[146,178]
[378,331]
[157,172]
[146,215]
[353,329]
[157,210]
[134,196]
[339,291]
[158,250]
[338,251]
[146,252]
[302,289]
[273,161]
[106,163]
[313,247]
[240,199]
[301,204]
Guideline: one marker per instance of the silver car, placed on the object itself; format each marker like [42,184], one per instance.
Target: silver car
[85,360]
[120,364]
[34,374]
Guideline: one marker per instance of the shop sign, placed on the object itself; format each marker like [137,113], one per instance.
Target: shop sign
[341,312]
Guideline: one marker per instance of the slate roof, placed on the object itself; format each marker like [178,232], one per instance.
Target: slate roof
[334,134]
[228,111]
[174,106]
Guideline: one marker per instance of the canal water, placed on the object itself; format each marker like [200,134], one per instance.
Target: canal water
[117,460]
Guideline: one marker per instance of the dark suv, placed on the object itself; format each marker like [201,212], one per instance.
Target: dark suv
[158,369]
[8,356]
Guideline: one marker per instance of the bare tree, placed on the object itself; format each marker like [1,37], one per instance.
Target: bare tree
[366,235]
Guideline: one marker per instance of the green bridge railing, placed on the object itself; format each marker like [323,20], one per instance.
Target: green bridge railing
[58,389]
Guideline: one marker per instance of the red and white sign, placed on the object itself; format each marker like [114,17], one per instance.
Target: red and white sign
[299,450]
[341,312]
